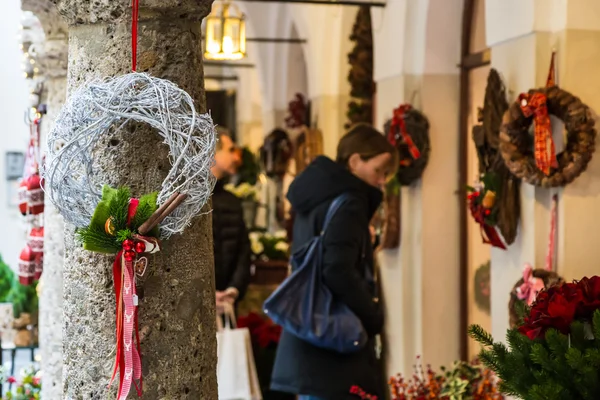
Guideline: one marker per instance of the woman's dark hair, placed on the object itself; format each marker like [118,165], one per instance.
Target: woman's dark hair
[367,142]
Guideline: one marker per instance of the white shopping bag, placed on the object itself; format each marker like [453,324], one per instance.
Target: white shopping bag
[236,371]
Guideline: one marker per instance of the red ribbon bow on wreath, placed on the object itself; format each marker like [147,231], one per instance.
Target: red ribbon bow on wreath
[398,125]
[545,156]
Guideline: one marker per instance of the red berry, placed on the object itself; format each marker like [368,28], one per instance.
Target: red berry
[128,245]
[140,247]
[130,255]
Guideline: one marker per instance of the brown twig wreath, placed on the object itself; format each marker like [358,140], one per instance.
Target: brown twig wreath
[516,144]
[416,127]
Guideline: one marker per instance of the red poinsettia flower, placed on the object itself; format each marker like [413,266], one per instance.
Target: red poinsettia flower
[559,306]
[262,331]
[251,321]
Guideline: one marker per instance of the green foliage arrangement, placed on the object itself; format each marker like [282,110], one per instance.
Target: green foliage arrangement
[554,352]
[7,276]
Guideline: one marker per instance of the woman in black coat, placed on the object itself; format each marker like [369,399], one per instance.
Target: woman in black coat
[364,160]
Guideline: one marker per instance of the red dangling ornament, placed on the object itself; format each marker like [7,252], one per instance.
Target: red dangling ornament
[23,196]
[36,239]
[26,266]
[39,266]
[35,195]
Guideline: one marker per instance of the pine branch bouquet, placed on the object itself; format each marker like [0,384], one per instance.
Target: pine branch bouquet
[554,352]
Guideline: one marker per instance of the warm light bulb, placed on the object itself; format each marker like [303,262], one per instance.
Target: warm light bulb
[32,61]
[227,45]
[213,47]
[24,74]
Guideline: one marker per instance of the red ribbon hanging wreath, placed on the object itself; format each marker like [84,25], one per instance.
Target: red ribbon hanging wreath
[398,128]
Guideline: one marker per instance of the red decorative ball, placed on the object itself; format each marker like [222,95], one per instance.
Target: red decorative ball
[488,212]
[130,255]
[128,245]
[140,247]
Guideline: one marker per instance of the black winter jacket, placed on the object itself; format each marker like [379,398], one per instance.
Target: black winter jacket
[230,241]
[301,368]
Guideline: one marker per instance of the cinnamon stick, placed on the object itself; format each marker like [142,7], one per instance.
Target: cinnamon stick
[150,222]
[176,203]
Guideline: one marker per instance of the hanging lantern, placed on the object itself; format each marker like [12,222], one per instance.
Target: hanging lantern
[225,37]
[26,266]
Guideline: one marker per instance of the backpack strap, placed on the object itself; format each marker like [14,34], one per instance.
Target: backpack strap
[333,208]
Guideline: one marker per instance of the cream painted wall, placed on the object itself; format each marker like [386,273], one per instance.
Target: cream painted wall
[478,252]
[421,285]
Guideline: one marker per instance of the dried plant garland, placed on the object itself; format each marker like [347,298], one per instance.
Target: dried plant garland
[517,145]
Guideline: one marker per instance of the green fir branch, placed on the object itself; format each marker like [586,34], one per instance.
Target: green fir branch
[123,235]
[481,336]
[96,240]
[596,326]
[145,209]
[119,208]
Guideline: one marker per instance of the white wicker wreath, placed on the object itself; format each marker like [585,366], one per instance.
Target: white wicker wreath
[100,105]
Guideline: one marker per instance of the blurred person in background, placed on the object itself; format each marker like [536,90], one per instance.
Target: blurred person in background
[365,160]
[230,237]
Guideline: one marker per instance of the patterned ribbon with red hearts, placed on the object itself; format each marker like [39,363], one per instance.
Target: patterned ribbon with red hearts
[398,125]
[128,356]
[544,152]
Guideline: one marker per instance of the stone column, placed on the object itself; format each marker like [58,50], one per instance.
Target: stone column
[52,60]
[177,317]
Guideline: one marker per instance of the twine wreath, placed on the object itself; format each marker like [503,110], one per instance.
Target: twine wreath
[101,106]
[516,144]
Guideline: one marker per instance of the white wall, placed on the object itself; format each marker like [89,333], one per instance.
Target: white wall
[13,102]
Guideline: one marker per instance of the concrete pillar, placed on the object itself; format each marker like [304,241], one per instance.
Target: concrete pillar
[53,64]
[521,52]
[177,317]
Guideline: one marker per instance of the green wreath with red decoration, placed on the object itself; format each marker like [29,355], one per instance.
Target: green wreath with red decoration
[484,207]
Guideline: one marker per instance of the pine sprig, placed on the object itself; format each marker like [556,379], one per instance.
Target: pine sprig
[481,335]
[596,326]
[118,208]
[145,209]
[123,235]
[97,240]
